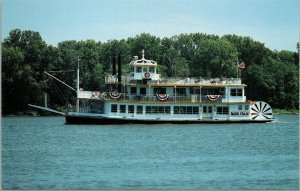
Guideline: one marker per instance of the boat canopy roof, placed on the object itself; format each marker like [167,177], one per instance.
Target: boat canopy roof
[142,62]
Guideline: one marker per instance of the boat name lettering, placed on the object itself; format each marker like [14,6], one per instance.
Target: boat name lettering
[239,113]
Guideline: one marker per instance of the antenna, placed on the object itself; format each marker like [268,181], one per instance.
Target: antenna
[143,54]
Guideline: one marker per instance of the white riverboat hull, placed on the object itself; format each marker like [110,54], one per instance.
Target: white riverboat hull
[103,120]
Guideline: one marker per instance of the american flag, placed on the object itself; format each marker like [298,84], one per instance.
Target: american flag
[242,65]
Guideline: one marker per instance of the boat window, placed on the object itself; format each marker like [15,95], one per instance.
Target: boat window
[139,69]
[158,109]
[122,108]
[176,110]
[131,69]
[189,110]
[143,91]
[151,69]
[130,108]
[154,109]
[114,108]
[139,109]
[167,109]
[236,92]
[222,110]
[145,69]
[240,107]
[204,109]
[186,110]
[133,90]
[182,110]
[148,109]
[161,109]
[195,110]
[246,107]
[209,109]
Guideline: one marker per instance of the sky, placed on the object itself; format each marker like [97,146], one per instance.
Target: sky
[272,22]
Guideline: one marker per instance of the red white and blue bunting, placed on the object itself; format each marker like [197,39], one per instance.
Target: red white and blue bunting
[213,97]
[162,97]
[114,95]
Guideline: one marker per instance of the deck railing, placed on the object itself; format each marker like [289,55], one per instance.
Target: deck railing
[157,98]
[189,80]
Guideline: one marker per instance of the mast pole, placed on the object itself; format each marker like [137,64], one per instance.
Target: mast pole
[237,68]
[77,101]
[46,100]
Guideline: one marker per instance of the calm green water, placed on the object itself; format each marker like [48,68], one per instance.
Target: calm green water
[44,153]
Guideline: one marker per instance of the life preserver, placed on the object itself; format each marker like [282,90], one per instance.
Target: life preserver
[114,95]
[213,97]
[147,74]
[162,97]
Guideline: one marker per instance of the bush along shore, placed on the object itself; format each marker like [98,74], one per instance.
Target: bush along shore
[285,111]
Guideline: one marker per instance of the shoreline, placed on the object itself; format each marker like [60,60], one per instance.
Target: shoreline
[285,112]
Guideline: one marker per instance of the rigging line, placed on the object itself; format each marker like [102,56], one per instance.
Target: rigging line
[57,90]
[60,91]
[59,81]
[60,71]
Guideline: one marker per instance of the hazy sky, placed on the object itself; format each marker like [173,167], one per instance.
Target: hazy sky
[273,22]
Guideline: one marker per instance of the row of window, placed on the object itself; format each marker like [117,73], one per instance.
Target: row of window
[240,107]
[222,110]
[139,109]
[186,110]
[236,92]
[158,109]
[207,109]
[142,69]
[166,109]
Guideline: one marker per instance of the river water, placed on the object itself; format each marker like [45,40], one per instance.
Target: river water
[44,153]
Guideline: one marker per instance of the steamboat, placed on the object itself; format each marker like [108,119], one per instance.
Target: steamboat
[145,97]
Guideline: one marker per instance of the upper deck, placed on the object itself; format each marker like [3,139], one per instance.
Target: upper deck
[144,84]
[193,81]
[143,72]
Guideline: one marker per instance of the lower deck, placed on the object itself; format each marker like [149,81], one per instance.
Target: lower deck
[179,112]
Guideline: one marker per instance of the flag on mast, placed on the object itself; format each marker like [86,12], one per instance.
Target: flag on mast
[242,65]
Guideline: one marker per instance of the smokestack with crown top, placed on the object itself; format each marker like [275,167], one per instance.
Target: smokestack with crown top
[119,73]
[114,66]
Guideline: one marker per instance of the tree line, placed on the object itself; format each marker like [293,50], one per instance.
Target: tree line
[270,75]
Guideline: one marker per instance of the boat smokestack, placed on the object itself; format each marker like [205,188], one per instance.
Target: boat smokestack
[119,73]
[114,66]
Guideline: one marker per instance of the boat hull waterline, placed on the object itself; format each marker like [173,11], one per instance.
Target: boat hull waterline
[73,119]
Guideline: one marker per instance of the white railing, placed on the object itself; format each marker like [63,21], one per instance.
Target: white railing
[150,98]
[189,80]
[200,81]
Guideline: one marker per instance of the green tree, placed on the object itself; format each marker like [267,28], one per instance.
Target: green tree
[23,54]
